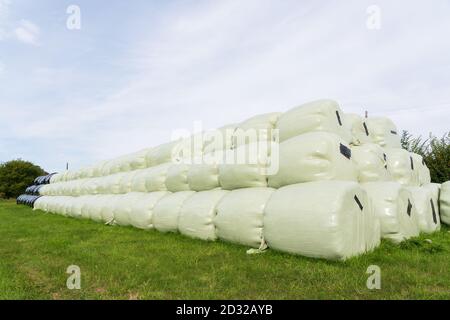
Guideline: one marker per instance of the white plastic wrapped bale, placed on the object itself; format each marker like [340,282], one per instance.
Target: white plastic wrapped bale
[321,115]
[86,187]
[89,205]
[322,219]
[357,128]
[245,167]
[370,162]
[116,166]
[94,208]
[69,205]
[155,177]
[167,211]
[108,204]
[54,204]
[101,208]
[258,128]
[426,208]
[98,167]
[141,215]
[45,190]
[80,187]
[444,203]
[383,132]
[71,175]
[115,186]
[197,214]
[393,204]
[121,164]
[86,172]
[104,183]
[262,121]
[311,157]
[435,192]
[138,182]
[133,161]
[189,149]
[400,166]
[56,178]
[106,169]
[151,179]
[202,177]
[136,209]
[177,178]
[123,206]
[77,207]
[219,139]
[126,182]
[163,154]
[422,170]
[41,203]
[50,204]
[240,216]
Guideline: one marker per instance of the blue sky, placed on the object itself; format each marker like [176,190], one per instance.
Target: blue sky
[137,70]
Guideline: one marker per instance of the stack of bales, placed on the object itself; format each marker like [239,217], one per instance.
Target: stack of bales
[333,185]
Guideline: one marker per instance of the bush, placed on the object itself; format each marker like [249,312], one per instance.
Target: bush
[16,176]
[435,151]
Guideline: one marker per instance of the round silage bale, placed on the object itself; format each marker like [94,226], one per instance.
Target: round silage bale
[322,219]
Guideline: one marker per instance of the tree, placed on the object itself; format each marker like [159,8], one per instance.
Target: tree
[16,176]
[435,152]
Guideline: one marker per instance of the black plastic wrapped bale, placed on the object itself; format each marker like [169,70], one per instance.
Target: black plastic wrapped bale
[27,199]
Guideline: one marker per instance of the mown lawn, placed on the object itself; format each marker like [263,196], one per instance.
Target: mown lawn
[126,263]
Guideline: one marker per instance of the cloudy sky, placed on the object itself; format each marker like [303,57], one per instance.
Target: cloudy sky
[137,70]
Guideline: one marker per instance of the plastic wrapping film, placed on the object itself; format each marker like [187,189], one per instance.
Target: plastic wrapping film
[167,211]
[358,129]
[177,178]
[370,162]
[313,157]
[256,129]
[444,203]
[400,165]
[203,177]
[321,115]
[423,173]
[218,140]
[136,209]
[393,204]
[198,213]
[240,216]
[426,204]
[164,153]
[383,132]
[245,167]
[155,177]
[324,219]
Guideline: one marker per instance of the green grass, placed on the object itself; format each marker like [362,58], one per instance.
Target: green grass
[126,263]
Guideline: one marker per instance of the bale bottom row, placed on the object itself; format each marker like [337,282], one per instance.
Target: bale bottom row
[327,219]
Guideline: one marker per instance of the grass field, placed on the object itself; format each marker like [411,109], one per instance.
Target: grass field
[126,263]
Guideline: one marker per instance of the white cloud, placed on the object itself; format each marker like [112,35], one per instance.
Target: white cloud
[27,32]
[2,68]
